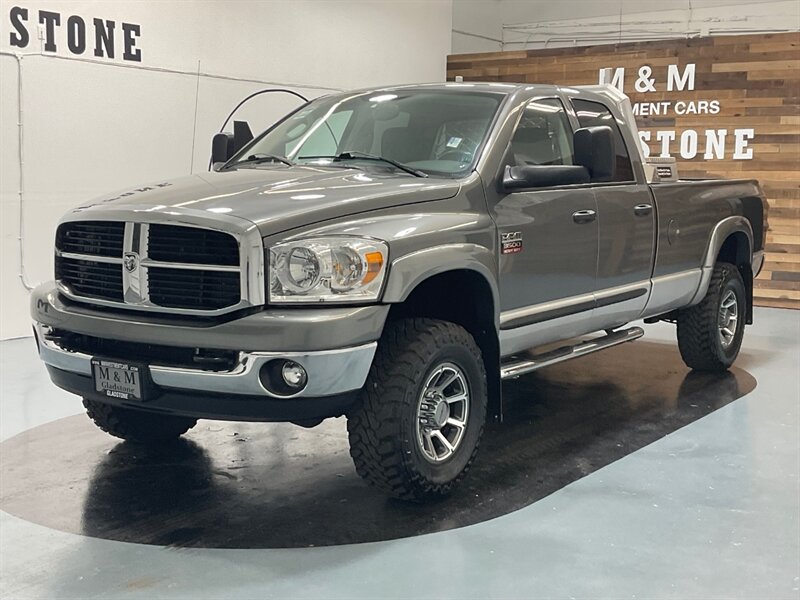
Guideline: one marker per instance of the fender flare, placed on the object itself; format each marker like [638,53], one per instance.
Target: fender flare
[407,272]
[721,232]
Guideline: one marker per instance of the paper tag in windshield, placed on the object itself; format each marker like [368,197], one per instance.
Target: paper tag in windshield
[454,142]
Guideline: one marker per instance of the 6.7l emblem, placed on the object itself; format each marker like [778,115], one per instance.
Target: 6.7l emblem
[131,261]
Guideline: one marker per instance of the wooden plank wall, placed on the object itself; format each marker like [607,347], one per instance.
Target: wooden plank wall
[755,79]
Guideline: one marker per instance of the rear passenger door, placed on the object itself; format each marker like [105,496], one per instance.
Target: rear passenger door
[626,220]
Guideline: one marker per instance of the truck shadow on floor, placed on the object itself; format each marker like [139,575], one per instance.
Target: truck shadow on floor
[255,485]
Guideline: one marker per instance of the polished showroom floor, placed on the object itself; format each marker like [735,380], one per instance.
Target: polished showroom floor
[619,475]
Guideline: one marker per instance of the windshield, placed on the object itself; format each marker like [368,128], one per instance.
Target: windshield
[437,132]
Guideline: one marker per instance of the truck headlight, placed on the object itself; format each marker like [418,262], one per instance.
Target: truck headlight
[330,269]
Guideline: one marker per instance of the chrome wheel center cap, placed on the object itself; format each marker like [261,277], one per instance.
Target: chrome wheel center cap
[441,413]
[435,412]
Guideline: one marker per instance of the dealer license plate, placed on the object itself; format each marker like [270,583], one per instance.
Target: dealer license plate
[117,380]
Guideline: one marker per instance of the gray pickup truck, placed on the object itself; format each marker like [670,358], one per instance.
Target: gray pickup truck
[391,255]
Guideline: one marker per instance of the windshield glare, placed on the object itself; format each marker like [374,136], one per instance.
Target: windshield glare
[436,132]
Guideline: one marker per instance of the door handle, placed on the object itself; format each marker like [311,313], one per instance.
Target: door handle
[642,210]
[584,216]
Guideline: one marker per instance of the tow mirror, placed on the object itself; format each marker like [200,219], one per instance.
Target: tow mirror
[225,145]
[221,149]
[594,150]
[535,176]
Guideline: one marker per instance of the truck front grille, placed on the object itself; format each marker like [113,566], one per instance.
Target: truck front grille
[149,266]
[172,243]
[184,288]
[89,278]
[95,238]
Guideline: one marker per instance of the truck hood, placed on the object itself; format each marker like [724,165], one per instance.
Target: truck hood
[276,199]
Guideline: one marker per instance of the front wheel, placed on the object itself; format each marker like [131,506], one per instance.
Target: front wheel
[137,425]
[416,429]
[710,333]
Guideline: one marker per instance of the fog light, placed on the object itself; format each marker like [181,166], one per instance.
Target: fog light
[294,375]
[283,377]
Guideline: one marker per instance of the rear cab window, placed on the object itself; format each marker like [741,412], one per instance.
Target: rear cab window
[591,114]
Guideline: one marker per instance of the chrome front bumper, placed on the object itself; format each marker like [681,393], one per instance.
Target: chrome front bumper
[330,372]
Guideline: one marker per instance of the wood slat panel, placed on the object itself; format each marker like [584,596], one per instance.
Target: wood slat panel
[755,78]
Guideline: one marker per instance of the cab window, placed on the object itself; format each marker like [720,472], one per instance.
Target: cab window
[543,135]
[591,114]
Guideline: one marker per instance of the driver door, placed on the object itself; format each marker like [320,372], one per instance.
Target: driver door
[549,239]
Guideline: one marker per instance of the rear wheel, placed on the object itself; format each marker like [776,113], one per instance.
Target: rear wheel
[137,425]
[710,333]
[416,430]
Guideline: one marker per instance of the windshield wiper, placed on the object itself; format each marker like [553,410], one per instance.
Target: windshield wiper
[356,155]
[254,159]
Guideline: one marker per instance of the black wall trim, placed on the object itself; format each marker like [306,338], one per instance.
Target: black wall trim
[572,309]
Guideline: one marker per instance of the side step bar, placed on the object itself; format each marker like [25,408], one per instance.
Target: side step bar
[521,365]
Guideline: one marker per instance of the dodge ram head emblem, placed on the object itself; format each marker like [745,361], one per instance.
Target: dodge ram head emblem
[131,261]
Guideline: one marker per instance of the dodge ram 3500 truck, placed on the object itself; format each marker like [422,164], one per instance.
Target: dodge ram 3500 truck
[392,255]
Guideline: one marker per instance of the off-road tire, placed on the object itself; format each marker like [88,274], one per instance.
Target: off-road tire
[382,427]
[136,425]
[698,333]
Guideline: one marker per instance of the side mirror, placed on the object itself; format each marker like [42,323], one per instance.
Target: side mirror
[225,145]
[594,150]
[221,149]
[534,176]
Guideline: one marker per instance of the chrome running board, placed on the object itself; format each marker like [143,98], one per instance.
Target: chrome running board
[517,365]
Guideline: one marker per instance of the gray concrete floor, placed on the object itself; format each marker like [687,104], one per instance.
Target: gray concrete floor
[712,510]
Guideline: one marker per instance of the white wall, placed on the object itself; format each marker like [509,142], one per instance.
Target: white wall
[532,24]
[477,26]
[95,125]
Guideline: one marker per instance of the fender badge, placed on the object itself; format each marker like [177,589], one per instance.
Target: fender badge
[511,242]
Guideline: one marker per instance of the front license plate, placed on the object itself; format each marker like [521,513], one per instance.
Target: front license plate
[117,380]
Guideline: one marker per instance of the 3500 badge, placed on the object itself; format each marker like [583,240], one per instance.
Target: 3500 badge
[511,242]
